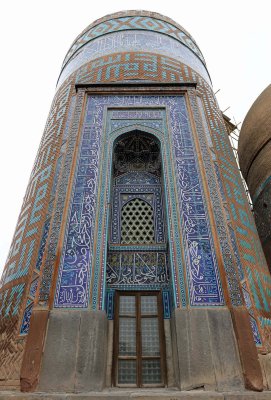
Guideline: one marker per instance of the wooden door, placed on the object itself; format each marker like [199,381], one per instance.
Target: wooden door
[139,353]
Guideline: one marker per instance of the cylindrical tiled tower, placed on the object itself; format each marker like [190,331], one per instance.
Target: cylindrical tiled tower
[135,261]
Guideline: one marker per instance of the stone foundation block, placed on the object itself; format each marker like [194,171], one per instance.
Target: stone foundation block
[206,351]
[75,352]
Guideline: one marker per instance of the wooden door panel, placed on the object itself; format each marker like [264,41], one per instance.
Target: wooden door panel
[138,340]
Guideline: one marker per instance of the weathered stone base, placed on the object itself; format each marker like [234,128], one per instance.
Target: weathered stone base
[252,373]
[33,350]
[75,352]
[9,385]
[140,394]
[206,355]
[265,361]
[201,347]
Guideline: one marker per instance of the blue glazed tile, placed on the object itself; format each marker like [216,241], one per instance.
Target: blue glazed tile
[202,269]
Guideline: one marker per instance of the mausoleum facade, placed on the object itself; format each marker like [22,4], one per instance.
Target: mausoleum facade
[135,261]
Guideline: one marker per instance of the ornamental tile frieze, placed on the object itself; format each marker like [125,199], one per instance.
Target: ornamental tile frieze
[202,270]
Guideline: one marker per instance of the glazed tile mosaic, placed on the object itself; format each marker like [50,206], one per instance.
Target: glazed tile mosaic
[134,41]
[202,270]
[201,233]
[132,23]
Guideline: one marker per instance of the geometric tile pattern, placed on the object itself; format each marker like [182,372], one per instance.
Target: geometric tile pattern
[144,190]
[237,206]
[131,40]
[133,23]
[146,269]
[166,304]
[247,241]
[50,255]
[11,300]
[133,228]
[36,273]
[213,176]
[128,67]
[109,305]
[23,258]
[24,248]
[131,66]
[202,272]
[173,203]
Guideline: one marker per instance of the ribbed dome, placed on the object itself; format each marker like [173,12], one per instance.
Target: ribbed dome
[254,142]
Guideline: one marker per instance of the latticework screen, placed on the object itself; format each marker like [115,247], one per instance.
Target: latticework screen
[137,226]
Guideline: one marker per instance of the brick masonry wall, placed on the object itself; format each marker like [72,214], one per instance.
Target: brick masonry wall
[22,266]
[34,254]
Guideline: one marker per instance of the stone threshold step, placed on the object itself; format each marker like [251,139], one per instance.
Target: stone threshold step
[138,395]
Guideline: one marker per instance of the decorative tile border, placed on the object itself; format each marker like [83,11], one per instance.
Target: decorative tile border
[203,276]
[134,40]
[141,68]
[133,23]
[215,186]
[58,211]
[135,269]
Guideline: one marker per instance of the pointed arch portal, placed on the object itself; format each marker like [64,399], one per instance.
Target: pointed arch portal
[137,260]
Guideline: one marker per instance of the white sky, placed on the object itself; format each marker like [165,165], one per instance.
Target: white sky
[234,37]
